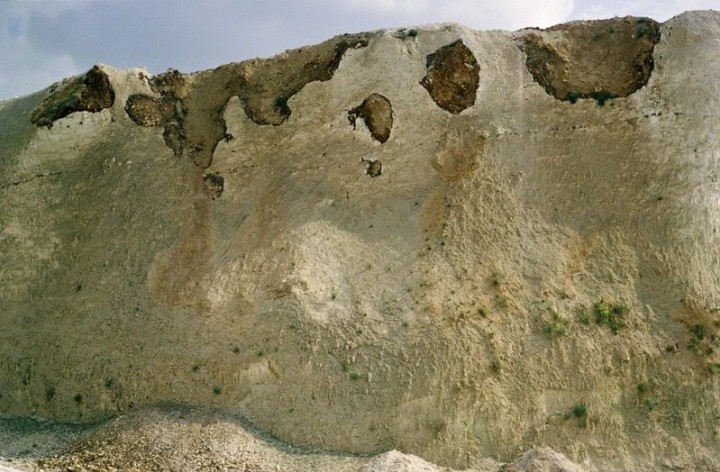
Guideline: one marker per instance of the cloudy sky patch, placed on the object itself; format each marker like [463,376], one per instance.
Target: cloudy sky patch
[43,41]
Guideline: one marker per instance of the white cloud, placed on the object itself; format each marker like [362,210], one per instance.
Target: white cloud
[479,14]
[25,67]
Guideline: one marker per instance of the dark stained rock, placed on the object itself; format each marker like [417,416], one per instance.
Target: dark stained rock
[91,92]
[374,167]
[192,113]
[377,113]
[601,59]
[214,185]
[452,77]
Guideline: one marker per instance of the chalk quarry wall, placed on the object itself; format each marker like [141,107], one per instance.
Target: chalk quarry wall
[457,244]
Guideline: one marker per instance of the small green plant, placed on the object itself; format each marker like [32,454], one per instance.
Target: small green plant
[354,376]
[496,279]
[714,368]
[236,350]
[602,96]
[260,353]
[195,368]
[582,314]
[49,393]
[555,328]
[217,390]
[333,295]
[579,410]
[643,387]
[610,315]
[573,97]
[650,404]
[108,383]
[698,332]
[78,398]
[403,33]
[281,103]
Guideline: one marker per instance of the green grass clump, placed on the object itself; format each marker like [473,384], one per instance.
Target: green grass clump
[583,315]
[611,315]
[579,410]
[555,328]
[650,404]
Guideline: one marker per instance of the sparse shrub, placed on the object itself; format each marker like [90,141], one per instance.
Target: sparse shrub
[610,315]
[582,314]
[579,410]
[555,328]
[78,398]
[601,97]
[502,301]
[49,393]
[698,334]
[650,404]
[643,387]
[195,368]
[403,33]
[281,103]
[236,350]
[354,376]
[217,390]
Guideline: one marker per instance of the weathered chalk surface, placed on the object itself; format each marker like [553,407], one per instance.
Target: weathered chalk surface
[453,243]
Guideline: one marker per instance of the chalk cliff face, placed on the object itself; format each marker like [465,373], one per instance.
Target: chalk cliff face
[457,244]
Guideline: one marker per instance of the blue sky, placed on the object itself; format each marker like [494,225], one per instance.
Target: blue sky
[42,41]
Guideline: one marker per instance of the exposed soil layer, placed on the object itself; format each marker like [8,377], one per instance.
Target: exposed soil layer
[452,77]
[376,112]
[600,59]
[191,109]
[88,92]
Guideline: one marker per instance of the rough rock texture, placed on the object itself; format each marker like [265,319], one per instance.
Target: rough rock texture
[191,108]
[542,459]
[89,92]
[601,59]
[525,272]
[452,77]
[376,112]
